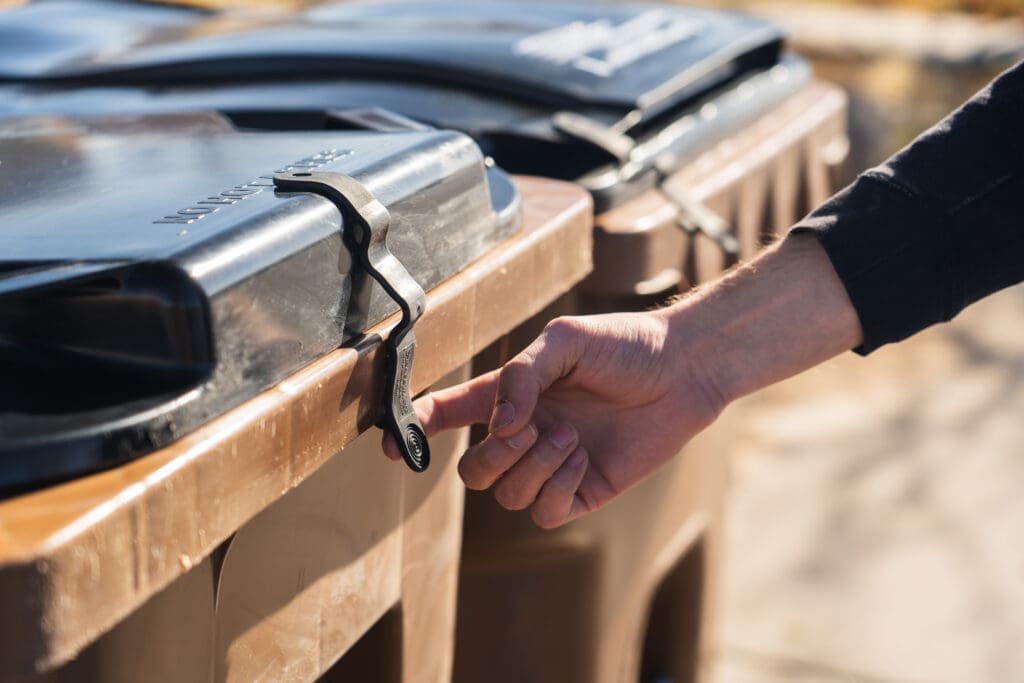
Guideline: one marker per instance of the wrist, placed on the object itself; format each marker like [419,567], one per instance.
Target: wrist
[782,313]
[697,351]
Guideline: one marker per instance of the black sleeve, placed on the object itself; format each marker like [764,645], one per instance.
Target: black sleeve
[937,226]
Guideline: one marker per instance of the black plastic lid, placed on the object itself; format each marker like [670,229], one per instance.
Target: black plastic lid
[152,276]
[624,57]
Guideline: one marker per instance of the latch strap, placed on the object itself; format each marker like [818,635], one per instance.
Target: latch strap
[368,221]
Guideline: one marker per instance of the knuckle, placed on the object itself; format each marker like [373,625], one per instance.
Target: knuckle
[561,440]
[549,458]
[522,441]
[563,484]
[544,517]
[516,375]
[470,474]
[590,503]
[518,365]
[509,497]
[562,328]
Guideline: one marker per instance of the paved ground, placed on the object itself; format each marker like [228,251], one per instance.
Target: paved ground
[877,514]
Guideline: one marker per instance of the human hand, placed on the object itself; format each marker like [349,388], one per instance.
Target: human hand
[591,407]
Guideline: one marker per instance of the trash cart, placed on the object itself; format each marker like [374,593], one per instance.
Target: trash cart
[197,500]
[631,592]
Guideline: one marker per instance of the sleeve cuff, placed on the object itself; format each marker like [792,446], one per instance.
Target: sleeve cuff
[887,246]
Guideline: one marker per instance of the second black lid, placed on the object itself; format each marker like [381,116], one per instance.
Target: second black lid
[623,57]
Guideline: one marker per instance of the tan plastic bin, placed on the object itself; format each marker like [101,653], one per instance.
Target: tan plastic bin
[277,538]
[760,181]
[629,593]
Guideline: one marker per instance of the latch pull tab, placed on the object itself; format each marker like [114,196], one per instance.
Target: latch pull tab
[368,221]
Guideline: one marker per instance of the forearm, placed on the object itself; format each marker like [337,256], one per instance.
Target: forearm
[783,313]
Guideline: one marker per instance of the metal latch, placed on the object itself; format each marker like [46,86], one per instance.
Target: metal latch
[368,221]
[633,158]
[606,138]
[694,217]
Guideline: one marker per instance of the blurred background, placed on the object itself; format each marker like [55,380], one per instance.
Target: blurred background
[876,517]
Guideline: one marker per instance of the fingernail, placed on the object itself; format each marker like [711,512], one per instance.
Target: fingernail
[562,435]
[503,415]
[577,459]
[523,439]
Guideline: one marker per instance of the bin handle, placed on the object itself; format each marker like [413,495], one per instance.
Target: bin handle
[368,220]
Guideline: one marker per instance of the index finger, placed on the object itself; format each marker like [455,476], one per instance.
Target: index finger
[463,404]
[547,359]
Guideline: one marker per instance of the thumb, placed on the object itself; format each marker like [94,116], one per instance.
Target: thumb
[549,358]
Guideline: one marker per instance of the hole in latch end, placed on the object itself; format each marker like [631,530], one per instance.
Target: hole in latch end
[302,174]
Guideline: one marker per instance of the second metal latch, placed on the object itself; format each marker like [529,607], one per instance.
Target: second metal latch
[368,221]
[695,216]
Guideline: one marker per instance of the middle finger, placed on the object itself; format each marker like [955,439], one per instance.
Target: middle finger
[485,462]
[521,484]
